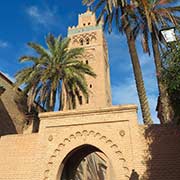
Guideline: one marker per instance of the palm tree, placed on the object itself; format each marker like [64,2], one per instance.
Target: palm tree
[155,15]
[54,72]
[116,10]
[171,77]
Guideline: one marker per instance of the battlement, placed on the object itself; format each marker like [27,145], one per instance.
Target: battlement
[86,22]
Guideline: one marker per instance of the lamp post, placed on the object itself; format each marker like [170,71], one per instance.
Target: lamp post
[168,34]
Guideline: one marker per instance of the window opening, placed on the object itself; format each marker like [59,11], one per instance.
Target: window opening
[87,41]
[90,85]
[80,100]
[81,42]
[87,62]
[87,100]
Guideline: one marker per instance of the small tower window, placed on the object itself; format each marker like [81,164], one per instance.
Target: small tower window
[87,41]
[89,23]
[87,100]
[87,62]
[84,24]
[80,100]
[81,42]
[90,85]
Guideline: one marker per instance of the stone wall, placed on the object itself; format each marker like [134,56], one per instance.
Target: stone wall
[161,157]
[12,109]
[14,118]
[135,152]
[20,157]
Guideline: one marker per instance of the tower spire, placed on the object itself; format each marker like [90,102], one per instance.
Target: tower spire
[88,8]
[89,35]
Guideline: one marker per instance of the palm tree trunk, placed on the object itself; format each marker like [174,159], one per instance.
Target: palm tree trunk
[138,76]
[52,99]
[62,98]
[164,99]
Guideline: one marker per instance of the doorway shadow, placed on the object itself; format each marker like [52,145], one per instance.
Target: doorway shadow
[84,162]
[6,123]
[134,175]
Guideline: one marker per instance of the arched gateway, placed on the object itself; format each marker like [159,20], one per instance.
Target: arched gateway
[73,135]
[96,141]
[77,146]
[96,136]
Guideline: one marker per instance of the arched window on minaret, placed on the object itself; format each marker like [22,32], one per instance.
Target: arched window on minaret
[81,42]
[87,100]
[93,39]
[87,40]
[80,100]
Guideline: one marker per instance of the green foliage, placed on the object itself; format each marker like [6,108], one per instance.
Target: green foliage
[117,11]
[51,69]
[171,75]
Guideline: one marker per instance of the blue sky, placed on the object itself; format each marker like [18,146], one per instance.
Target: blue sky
[31,20]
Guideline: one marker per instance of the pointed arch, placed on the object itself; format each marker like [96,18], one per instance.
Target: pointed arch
[96,139]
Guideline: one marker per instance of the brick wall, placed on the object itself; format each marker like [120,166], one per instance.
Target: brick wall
[148,153]
[12,109]
[20,158]
[162,155]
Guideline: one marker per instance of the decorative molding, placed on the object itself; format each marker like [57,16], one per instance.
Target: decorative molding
[76,39]
[75,30]
[84,134]
[50,138]
[107,110]
[122,133]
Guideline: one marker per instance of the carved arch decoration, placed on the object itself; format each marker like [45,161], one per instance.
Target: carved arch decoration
[88,56]
[83,135]
[91,37]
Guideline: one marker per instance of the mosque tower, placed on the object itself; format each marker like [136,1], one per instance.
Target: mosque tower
[90,36]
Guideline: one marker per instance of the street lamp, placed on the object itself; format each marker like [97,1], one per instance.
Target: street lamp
[168,34]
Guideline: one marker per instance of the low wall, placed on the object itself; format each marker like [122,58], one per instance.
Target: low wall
[145,152]
[161,152]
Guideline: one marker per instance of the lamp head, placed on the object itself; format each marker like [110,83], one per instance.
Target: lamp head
[168,34]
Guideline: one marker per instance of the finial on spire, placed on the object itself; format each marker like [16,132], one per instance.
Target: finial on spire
[88,7]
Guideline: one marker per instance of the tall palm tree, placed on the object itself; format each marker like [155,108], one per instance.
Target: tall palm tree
[155,15]
[54,72]
[116,10]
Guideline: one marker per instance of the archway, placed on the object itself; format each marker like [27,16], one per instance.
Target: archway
[64,149]
[84,163]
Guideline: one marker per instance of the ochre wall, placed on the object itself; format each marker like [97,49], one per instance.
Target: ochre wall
[153,152]
[161,155]
[96,55]
[12,115]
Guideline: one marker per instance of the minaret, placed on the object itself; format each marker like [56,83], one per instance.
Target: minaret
[89,35]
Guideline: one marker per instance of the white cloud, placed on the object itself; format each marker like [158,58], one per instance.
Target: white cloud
[4,44]
[126,93]
[43,17]
[122,78]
